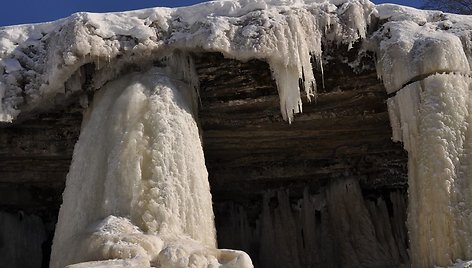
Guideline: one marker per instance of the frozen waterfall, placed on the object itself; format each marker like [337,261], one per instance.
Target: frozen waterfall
[433,119]
[137,191]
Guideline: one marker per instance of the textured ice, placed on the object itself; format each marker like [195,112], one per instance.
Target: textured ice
[413,44]
[425,56]
[433,118]
[137,189]
[40,61]
[462,264]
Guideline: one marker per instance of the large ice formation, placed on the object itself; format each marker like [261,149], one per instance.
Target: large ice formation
[423,58]
[138,188]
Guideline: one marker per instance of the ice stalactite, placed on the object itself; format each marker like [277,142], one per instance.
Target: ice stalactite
[337,227]
[433,118]
[138,188]
[355,233]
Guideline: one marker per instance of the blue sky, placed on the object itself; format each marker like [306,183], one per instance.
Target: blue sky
[30,11]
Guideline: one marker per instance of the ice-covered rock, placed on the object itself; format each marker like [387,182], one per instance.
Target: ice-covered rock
[39,61]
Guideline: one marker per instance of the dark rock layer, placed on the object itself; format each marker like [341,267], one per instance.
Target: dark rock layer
[249,148]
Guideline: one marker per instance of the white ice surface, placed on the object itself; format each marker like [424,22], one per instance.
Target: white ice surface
[38,60]
[138,189]
[462,264]
[413,44]
[433,118]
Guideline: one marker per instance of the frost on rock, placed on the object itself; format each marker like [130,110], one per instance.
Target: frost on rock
[40,62]
[138,188]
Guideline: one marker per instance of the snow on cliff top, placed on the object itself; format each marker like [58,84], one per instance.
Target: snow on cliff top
[43,63]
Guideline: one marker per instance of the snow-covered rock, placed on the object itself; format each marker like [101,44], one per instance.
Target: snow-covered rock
[40,61]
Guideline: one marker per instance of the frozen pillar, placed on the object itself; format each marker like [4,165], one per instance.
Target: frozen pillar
[433,120]
[138,190]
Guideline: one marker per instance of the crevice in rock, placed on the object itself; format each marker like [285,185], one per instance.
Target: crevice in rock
[422,77]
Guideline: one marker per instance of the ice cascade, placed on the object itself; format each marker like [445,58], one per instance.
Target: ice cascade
[137,194]
[424,59]
[432,118]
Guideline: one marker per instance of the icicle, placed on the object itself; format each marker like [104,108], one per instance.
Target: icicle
[322,72]
[352,222]
[182,66]
[286,78]
[336,227]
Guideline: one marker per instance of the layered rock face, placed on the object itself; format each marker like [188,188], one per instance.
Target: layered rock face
[290,194]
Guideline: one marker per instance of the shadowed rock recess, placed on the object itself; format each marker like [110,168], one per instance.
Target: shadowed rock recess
[276,186]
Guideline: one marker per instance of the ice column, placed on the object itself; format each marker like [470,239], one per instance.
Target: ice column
[137,190]
[432,118]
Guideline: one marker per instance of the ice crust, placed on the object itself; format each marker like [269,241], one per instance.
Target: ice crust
[424,57]
[413,44]
[138,189]
[42,62]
